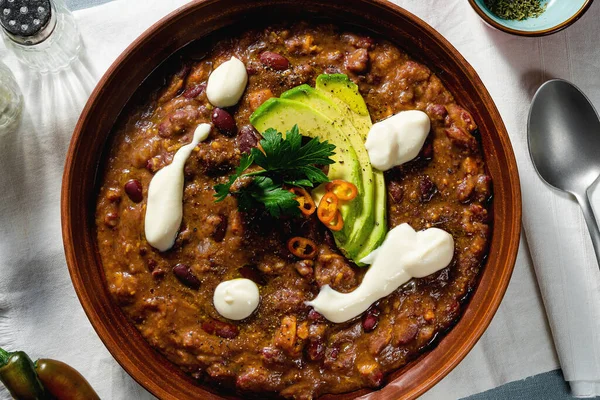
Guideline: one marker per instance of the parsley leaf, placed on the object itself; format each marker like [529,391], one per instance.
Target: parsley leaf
[283,161]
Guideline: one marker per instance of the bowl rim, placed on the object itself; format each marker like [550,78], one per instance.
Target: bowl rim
[542,32]
[509,245]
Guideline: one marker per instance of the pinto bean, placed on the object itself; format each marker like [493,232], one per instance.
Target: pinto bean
[111,219]
[357,61]
[461,138]
[272,355]
[274,60]
[133,188]
[186,276]
[404,331]
[224,122]
[220,328]
[436,112]
[178,121]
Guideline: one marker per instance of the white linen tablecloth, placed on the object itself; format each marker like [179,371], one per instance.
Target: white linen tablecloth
[40,313]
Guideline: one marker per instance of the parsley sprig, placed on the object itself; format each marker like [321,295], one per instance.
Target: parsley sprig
[283,162]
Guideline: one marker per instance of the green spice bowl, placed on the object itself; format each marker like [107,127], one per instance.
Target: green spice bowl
[558,15]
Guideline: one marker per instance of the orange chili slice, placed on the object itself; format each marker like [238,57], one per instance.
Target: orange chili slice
[307,205]
[328,207]
[302,247]
[337,223]
[342,189]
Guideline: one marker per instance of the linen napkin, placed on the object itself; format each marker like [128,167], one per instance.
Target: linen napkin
[39,311]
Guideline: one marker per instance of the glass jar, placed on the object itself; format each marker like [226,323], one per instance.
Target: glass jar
[11,101]
[42,33]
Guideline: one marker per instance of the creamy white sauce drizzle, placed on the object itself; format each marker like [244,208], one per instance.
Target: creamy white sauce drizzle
[227,83]
[165,196]
[404,254]
[397,139]
[236,299]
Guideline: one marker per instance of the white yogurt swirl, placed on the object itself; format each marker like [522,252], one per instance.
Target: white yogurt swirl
[404,254]
[236,299]
[227,83]
[165,196]
[397,139]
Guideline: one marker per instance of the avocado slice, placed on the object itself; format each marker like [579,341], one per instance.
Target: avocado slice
[342,90]
[282,114]
[342,117]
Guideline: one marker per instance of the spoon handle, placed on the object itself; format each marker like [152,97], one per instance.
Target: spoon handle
[592,224]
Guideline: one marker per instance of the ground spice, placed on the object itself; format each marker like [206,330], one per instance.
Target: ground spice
[516,9]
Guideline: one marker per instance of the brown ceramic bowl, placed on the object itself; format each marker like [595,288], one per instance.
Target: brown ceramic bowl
[196,20]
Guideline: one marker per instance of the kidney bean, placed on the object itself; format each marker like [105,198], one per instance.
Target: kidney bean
[194,91]
[186,276]
[396,192]
[483,187]
[428,188]
[315,349]
[224,122]
[426,152]
[133,188]
[248,138]
[219,328]
[220,230]
[375,378]
[274,60]
[314,315]
[370,319]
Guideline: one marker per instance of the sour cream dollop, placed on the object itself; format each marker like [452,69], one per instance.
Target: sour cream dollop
[165,196]
[236,299]
[403,255]
[397,139]
[227,83]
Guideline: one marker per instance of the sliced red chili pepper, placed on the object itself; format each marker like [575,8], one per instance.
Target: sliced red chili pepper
[307,205]
[302,247]
[328,207]
[342,189]
[337,223]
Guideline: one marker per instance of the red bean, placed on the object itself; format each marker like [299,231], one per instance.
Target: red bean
[248,138]
[224,122]
[194,91]
[219,328]
[428,188]
[314,315]
[315,349]
[370,319]
[133,188]
[274,60]
[220,230]
[186,276]
[396,192]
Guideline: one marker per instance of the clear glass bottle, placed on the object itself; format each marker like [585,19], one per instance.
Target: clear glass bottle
[42,33]
[11,101]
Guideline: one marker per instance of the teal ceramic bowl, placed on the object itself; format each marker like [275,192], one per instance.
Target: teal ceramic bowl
[559,14]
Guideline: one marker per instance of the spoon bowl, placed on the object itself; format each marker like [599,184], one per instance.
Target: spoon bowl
[564,143]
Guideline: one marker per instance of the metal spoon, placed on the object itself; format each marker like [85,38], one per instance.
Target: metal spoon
[564,143]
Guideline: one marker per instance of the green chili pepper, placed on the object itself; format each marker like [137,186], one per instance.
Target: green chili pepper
[63,381]
[43,380]
[17,372]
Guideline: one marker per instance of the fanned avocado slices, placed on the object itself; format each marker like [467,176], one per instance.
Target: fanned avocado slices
[335,111]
